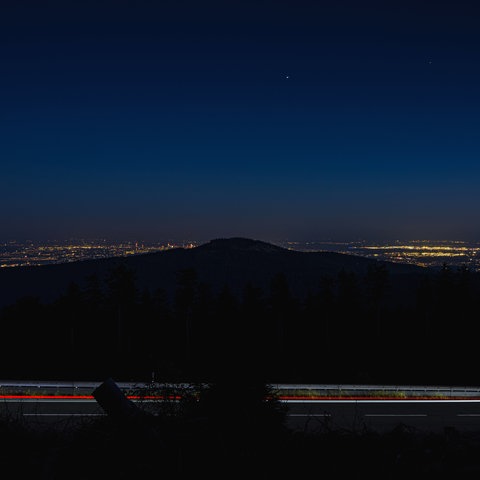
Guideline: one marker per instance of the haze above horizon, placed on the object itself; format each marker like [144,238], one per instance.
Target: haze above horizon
[263,119]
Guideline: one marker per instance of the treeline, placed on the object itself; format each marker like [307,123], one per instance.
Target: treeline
[348,330]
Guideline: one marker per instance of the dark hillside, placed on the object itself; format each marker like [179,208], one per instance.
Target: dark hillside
[232,262]
[239,307]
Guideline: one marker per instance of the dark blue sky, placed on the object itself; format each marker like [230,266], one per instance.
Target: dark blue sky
[266,119]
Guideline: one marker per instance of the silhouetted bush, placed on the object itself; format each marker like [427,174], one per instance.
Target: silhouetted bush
[214,441]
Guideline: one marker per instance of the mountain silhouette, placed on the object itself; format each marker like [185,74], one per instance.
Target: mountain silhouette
[243,244]
[221,262]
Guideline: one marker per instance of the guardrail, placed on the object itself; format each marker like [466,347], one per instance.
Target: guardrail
[394,390]
[75,388]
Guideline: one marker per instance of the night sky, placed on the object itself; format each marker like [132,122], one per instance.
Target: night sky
[304,120]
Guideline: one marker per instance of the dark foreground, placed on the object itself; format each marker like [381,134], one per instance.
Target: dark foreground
[204,438]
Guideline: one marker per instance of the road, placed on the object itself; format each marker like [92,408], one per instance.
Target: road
[306,415]
[384,415]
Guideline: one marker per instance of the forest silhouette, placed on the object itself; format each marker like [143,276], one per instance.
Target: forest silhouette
[351,328]
[353,321]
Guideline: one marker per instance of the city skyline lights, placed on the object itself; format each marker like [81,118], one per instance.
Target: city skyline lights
[418,252]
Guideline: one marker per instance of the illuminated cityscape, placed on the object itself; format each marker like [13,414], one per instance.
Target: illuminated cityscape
[418,252]
[425,253]
[21,254]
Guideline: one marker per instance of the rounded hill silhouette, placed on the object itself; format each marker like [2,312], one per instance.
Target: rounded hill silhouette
[243,244]
[221,262]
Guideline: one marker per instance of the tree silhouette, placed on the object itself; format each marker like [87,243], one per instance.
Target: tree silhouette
[227,344]
[74,306]
[185,299]
[122,295]
[444,304]
[349,326]
[164,342]
[203,333]
[376,286]
[92,293]
[283,314]
[315,333]
[253,326]
[29,335]
[326,299]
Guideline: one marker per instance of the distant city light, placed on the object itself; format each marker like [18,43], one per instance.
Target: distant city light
[416,252]
[18,254]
